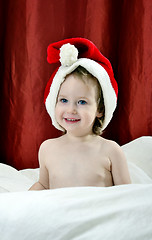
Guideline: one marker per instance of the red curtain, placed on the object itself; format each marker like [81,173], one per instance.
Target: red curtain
[121,29]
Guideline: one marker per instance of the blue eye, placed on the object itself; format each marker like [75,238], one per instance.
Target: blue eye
[63,100]
[82,102]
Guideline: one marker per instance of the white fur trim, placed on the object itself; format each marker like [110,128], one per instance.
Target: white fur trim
[109,95]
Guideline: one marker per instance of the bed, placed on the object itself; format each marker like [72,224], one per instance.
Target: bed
[118,212]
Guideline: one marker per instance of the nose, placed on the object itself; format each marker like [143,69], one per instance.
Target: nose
[72,109]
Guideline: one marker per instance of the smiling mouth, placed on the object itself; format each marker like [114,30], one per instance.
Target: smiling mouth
[71,120]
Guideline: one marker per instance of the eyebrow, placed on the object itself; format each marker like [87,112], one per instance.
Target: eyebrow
[60,95]
[84,98]
[64,96]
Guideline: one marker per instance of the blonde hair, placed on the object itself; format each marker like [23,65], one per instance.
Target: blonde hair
[85,76]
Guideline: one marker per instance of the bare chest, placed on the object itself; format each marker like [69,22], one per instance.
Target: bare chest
[79,168]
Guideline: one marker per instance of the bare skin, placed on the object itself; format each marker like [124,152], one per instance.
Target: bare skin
[91,162]
[79,158]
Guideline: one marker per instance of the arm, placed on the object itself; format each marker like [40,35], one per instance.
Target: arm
[37,186]
[43,182]
[120,170]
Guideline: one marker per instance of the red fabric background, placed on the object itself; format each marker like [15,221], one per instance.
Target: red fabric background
[121,29]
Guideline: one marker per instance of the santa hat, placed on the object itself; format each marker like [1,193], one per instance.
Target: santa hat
[74,52]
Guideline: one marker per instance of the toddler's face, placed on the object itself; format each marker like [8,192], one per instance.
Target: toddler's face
[76,107]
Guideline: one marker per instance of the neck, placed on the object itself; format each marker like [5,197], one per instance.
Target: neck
[83,138]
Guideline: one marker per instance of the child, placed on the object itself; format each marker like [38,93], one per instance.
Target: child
[80,98]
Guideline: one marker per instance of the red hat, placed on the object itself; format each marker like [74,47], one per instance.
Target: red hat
[74,52]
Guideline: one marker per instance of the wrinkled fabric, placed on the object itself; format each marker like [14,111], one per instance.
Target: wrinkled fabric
[119,212]
[122,30]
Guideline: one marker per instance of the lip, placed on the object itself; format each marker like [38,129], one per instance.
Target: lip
[72,120]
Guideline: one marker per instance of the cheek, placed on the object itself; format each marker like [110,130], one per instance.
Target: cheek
[57,111]
[89,115]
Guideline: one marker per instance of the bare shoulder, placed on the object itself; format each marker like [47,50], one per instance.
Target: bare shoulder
[48,147]
[109,144]
[46,144]
[112,148]
[49,143]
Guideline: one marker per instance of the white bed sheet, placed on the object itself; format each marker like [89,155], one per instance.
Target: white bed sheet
[120,212]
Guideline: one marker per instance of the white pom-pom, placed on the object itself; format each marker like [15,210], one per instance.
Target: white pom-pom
[68,55]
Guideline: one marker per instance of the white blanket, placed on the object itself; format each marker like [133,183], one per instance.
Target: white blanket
[86,213]
[119,212]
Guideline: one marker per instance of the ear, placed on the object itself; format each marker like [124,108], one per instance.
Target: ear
[99,114]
